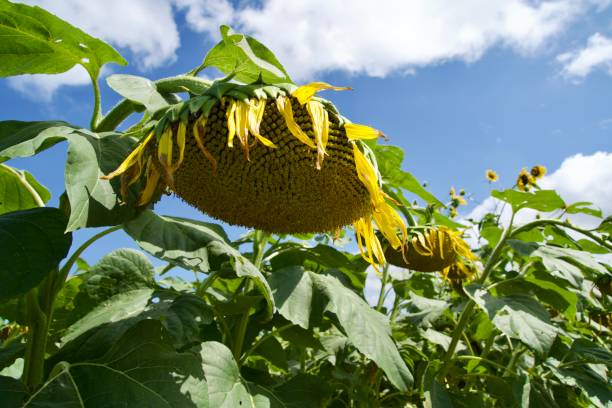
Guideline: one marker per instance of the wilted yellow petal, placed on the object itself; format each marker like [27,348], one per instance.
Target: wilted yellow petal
[305,92]
[320,126]
[255,115]
[367,175]
[284,107]
[360,132]
[231,123]
[132,158]
[164,148]
[150,187]
[198,134]
[180,141]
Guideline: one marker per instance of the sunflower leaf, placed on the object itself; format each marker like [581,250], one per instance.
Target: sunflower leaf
[41,43]
[138,89]
[33,243]
[246,58]
[541,200]
[19,190]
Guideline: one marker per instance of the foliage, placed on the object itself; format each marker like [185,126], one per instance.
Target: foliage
[272,320]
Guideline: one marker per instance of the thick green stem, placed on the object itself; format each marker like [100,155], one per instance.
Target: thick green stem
[165,86]
[95,117]
[469,307]
[38,327]
[259,245]
[564,224]
[383,285]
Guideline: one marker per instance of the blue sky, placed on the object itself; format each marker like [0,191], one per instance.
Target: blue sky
[494,84]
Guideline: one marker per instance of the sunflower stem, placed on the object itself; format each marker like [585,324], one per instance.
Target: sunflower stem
[95,117]
[383,285]
[537,223]
[469,307]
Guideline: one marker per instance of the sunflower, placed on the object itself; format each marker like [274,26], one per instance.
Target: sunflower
[525,180]
[537,172]
[457,200]
[492,176]
[272,157]
[434,249]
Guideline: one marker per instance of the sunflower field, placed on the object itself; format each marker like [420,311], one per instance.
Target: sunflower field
[494,312]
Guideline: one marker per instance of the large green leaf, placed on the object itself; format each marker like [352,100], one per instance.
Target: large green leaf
[304,391]
[517,316]
[183,315]
[389,160]
[13,392]
[141,369]
[19,190]
[23,139]
[94,202]
[226,387]
[193,245]
[34,41]
[541,200]
[122,270]
[292,290]
[436,396]
[246,57]
[32,243]
[138,89]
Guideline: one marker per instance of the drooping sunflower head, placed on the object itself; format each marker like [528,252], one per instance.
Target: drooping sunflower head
[525,180]
[537,172]
[432,250]
[271,157]
[491,176]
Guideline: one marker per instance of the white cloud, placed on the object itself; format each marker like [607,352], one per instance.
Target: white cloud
[312,36]
[144,27]
[596,54]
[41,88]
[579,178]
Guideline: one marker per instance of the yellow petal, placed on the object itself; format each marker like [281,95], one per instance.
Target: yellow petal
[150,187]
[367,175]
[131,159]
[231,123]
[255,115]
[305,92]
[198,134]
[284,107]
[164,148]
[320,126]
[360,132]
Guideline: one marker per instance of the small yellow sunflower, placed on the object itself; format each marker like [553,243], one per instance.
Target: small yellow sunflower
[525,180]
[434,249]
[537,172]
[301,166]
[492,176]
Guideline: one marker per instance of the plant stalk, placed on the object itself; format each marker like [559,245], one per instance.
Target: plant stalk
[383,285]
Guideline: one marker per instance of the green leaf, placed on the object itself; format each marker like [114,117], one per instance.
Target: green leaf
[193,245]
[37,42]
[94,202]
[367,329]
[292,291]
[587,351]
[23,139]
[390,160]
[584,207]
[13,392]
[541,200]
[304,391]
[142,369]
[226,387]
[517,316]
[183,315]
[429,310]
[19,190]
[437,397]
[246,57]
[32,243]
[138,89]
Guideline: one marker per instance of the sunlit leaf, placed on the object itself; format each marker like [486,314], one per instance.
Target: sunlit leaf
[141,366]
[19,190]
[37,42]
[541,200]
[246,57]
[193,245]
[138,89]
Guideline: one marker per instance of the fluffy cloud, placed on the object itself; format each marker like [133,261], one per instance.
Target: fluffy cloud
[596,54]
[579,178]
[41,88]
[311,36]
